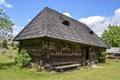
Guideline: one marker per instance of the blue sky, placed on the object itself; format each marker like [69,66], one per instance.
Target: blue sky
[97,14]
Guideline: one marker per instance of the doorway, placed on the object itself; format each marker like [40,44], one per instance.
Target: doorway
[87,53]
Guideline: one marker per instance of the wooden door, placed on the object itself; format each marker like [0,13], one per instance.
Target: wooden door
[87,53]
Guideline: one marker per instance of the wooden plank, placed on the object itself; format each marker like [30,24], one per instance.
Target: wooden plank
[63,63]
[67,66]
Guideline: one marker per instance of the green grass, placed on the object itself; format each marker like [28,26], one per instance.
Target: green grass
[9,71]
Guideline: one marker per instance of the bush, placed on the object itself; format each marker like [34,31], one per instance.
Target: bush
[4,44]
[102,57]
[23,58]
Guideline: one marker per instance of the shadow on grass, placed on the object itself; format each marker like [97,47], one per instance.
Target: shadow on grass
[8,65]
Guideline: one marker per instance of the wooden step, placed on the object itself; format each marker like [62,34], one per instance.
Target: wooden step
[66,66]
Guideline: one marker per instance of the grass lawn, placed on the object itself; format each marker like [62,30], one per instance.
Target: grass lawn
[9,71]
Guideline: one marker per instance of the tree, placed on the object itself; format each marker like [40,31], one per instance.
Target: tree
[4,44]
[5,25]
[112,36]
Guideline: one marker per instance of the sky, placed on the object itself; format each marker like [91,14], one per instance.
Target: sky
[97,14]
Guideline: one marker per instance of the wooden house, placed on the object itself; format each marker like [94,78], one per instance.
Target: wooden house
[53,38]
[113,53]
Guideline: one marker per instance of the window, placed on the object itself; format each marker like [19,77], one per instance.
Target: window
[52,47]
[73,49]
[79,50]
[66,23]
[66,49]
[91,32]
[58,49]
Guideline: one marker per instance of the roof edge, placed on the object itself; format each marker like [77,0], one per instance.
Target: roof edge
[29,23]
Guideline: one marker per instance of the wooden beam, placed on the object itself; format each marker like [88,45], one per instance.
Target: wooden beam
[66,66]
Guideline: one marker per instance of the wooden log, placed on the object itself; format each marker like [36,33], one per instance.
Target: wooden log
[66,66]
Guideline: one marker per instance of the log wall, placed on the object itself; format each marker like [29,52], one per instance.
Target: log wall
[51,51]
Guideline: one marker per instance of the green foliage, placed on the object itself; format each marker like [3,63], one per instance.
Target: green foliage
[14,45]
[9,71]
[112,36]
[4,44]
[5,25]
[23,58]
[102,57]
[103,54]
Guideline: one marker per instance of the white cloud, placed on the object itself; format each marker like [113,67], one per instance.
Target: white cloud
[3,2]
[117,12]
[97,23]
[92,20]
[115,20]
[100,23]
[16,30]
[67,14]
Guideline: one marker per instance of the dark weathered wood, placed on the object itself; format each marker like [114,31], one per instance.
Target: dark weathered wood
[66,66]
[62,63]
[44,50]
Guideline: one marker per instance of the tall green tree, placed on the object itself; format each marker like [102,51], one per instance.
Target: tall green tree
[5,25]
[112,36]
[4,44]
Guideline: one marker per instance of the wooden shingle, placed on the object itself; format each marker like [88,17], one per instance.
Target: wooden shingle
[49,23]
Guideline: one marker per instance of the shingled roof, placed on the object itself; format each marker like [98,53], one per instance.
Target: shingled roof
[51,23]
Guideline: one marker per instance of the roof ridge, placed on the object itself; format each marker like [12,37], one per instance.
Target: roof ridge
[64,15]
